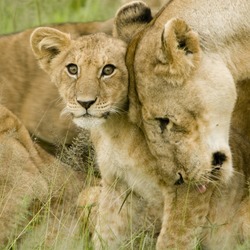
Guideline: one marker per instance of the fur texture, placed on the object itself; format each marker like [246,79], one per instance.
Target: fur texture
[29,176]
[127,190]
[227,38]
[39,108]
[184,106]
[138,193]
[32,181]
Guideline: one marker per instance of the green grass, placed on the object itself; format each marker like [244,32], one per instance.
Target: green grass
[17,15]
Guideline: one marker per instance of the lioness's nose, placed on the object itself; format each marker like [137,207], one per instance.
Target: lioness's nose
[86,104]
[218,158]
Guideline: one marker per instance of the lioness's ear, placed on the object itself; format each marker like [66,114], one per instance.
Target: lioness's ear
[180,51]
[47,43]
[130,19]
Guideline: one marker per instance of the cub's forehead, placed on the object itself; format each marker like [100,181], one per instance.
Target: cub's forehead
[100,42]
[97,49]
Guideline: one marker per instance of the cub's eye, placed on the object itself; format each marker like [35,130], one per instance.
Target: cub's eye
[72,68]
[163,122]
[108,69]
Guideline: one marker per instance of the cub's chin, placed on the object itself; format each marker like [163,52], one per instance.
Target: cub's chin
[88,122]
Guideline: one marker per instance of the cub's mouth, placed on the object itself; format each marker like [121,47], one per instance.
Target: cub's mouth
[89,116]
[88,121]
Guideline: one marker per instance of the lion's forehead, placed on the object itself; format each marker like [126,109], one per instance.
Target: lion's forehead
[86,53]
[153,92]
[97,43]
[178,112]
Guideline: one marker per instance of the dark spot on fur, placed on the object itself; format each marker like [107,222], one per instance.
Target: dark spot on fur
[180,180]
[144,17]
[163,123]
[183,46]
[53,52]
[135,13]
[218,159]
[106,115]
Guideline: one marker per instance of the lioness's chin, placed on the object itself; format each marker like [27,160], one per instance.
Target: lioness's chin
[89,122]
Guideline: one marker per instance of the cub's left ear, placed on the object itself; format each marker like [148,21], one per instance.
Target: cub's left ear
[180,52]
[47,43]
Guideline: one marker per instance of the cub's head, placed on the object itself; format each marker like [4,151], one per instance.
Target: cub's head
[182,98]
[89,72]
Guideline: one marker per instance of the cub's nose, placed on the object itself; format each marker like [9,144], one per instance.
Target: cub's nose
[86,104]
[218,158]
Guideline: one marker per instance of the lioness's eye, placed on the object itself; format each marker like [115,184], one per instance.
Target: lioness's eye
[163,122]
[108,69]
[72,68]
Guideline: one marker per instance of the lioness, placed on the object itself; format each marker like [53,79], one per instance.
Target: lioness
[27,91]
[133,184]
[184,102]
[224,30]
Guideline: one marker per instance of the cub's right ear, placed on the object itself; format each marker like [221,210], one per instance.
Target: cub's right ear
[47,43]
[130,19]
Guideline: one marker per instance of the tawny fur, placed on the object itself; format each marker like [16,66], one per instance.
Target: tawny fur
[33,183]
[218,32]
[39,108]
[29,176]
[127,189]
[136,194]
[179,109]
[154,5]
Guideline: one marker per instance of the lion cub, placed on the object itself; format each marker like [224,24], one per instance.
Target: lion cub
[92,78]
[28,92]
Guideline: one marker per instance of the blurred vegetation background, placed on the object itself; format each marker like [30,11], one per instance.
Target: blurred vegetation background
[17,15]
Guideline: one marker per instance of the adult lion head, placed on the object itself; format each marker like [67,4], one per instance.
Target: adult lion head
[182,97]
